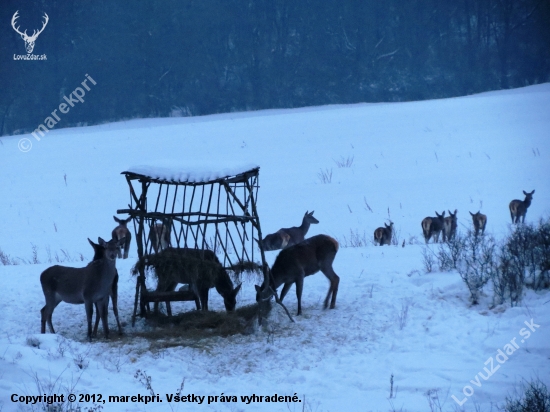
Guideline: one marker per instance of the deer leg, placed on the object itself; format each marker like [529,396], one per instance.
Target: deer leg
[204,298]
[97,315]
[168,308]
[299,289]
[285,290]
[334,279]
[104,307]
[114,299]
[46,317]
[194,289]
[42,320]
[47,312]
[89,306]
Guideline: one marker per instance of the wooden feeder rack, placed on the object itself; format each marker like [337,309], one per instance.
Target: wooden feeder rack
[209,210]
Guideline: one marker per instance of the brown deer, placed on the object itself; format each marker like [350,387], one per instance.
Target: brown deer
[89,285]
[432,226]
[287,237]
[518,208]
[276,241]
[449,226]
[160,235]
[99,253]
[383,235]
[122,232]
[480,221]
[199,268]
[294,263]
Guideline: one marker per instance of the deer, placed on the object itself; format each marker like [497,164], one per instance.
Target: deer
[449,226]
[99,253]
[287,237]
[294,263]
[200,268]
[89,285]
[160,234]
[120,232]
[480,221]
[518,208]
[432,226]
[29,40]
[383,235]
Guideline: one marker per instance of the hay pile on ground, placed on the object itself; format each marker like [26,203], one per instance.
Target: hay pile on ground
[199,324]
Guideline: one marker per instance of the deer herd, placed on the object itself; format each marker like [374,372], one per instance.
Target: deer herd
[97,283]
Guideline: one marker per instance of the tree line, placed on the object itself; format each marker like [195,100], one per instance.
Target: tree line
[191,57]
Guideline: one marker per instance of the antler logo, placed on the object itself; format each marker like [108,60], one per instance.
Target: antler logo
[29,40]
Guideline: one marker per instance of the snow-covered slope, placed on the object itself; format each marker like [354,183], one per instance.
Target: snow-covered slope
[408,160]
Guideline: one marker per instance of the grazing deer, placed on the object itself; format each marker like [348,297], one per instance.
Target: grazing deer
[160,234]
[199,268]
[480,221]
[518,208]
[383,235]
[120,232]
[294,263]
[449,226]
[287,237]
[432,226]
[99,253]
[89,285]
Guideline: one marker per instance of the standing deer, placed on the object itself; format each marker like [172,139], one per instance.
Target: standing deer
[518,208]
[294,263]
[432,226]
[383,235]
[99,253]
[89,285]
[122,232]
[480,221]
[287,237]
[160,234]
[201,269]
[29,40]
[449,226]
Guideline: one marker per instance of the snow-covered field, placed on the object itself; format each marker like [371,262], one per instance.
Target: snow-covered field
[408,161]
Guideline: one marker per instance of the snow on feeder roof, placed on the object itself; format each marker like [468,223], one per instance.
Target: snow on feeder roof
[191,174]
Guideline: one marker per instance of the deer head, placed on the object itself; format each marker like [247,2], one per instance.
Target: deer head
[29,40]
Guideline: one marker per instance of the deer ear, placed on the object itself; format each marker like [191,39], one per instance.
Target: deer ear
[128,220]
[92,243]
[236,290]
[470,213]
[533,192]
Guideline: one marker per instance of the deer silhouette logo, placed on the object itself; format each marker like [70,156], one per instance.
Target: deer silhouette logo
[29,40]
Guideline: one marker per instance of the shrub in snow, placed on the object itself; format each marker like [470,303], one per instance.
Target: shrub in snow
[535,398]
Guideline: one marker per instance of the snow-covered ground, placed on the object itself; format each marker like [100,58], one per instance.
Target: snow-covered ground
[408,160]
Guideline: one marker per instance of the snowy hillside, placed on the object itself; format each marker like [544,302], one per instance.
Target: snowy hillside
[355,166]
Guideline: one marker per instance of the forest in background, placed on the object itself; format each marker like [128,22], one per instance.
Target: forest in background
[195,57]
